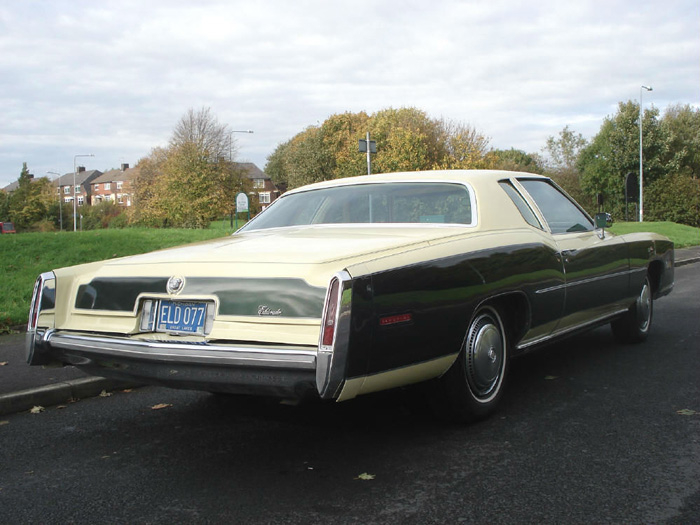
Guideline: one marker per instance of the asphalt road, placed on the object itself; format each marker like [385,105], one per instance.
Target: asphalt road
[589,432]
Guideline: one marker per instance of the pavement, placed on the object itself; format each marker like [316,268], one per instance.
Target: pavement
[23,387]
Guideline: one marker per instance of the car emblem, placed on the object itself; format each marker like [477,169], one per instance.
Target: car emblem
[175,285]
[266,310]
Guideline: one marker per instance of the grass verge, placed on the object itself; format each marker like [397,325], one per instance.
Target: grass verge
[681,235]
[24,256]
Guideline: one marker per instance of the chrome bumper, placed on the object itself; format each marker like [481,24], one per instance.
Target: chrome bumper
[247,369]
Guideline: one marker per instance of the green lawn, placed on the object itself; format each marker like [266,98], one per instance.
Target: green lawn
[682,235]
[24,256]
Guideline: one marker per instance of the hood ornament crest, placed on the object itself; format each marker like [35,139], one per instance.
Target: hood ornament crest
[175,285]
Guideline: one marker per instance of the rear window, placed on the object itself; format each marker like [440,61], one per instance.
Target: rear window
[415,202]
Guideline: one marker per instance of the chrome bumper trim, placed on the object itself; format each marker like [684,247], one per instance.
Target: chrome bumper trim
[240,369]
[172,352]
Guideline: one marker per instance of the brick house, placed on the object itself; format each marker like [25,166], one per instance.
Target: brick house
[263,188]
[114,185]
[83,179]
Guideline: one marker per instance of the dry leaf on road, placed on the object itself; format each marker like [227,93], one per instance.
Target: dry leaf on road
[161,406]
[366,477]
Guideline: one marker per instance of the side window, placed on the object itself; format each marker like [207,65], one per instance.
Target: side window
[521,204]
[561,213]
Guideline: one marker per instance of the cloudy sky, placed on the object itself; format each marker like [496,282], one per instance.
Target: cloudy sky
[112,78]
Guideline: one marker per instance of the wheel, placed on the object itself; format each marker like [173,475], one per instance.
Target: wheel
[634,326]
[471,389]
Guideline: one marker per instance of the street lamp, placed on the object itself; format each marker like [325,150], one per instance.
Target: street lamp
[75,205]
[641,172]
[230,141]
[60,207]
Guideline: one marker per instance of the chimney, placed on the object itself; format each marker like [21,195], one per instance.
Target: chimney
[81,169]
[125,167]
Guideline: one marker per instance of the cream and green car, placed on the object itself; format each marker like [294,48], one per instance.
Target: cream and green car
[357,285]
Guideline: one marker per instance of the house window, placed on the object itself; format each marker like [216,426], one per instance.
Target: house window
[81,200]
[264,197]
[108,186]
[66,190]
[258,183]
[97,187]
[120,199]
[119,184]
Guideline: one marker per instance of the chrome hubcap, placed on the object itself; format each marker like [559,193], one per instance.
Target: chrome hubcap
[644,308]
[485,354]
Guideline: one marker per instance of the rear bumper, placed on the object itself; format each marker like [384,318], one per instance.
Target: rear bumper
[283,371]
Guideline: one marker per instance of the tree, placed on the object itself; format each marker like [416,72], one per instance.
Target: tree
[614,152]
[563,152]
[201,128]
[682,124]
[30,202]
[189,183]
[4,205]
[516,160]
[407,140]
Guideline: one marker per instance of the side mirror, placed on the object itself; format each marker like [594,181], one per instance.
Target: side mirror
[602,221]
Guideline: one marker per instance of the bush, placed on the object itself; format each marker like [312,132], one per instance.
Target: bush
[120,221]
[675,198]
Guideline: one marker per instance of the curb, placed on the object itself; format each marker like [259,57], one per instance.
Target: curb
[683,262]
[58,393]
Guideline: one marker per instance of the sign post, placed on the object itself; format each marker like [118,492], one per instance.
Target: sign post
[242,205]
[369,146]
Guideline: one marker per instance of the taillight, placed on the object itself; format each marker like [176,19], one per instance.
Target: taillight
[330,315]
[39,300]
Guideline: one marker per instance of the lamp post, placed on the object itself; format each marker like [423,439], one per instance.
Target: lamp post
[230,141]
[641,172]
[75,204]
[60,206]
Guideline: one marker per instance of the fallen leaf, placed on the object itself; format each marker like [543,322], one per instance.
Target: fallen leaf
[37,409]
[127,390]
[161,406]
[104,393]
[686,412]
[3,363]
[61,407]
[4,423]
[366,477]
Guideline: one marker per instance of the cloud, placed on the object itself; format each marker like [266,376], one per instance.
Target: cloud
[112,78]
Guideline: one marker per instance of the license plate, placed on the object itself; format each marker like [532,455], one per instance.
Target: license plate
[181,317]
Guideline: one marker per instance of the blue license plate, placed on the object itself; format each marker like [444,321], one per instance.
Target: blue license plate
[181,317]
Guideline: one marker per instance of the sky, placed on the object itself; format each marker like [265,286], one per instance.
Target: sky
[112,78]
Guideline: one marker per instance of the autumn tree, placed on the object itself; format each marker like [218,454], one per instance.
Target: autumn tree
[407,140]
[190,183]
